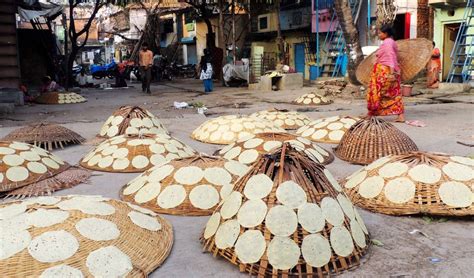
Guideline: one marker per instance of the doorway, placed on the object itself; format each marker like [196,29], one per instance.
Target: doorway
[402,26]
[449,38]
[299,58]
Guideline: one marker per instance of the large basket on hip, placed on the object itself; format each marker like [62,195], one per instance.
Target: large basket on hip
[370,139]
[413,55]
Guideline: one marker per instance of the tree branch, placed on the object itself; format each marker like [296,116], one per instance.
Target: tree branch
[98,5]
[117,34]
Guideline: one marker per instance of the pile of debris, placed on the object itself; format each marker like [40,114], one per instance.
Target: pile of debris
[337,87]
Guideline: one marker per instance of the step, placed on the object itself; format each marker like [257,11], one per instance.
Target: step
[13,96]
[7,108]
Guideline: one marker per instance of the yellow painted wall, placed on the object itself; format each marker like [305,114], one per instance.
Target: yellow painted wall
[441,17]
[291,39]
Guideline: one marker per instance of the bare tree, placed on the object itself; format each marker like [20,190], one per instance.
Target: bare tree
[75,34]
[351,36]
[386,12]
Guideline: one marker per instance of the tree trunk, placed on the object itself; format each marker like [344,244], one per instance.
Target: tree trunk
[279,37]
[351,36]
[385,13]
[70,64]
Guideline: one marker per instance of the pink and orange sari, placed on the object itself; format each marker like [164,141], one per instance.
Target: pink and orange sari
[384,97]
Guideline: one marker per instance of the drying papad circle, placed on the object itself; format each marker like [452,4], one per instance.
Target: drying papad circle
[145,249]
[271,184]
[417,184]
[189,186]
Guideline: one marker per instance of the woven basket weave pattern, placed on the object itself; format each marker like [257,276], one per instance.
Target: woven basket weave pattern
[413,55]
[47,136]
[146,249]
[368,140]
[282,165]
[186,207]
[426,198]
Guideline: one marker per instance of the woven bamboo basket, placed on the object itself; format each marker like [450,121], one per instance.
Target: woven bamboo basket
[46,136]
[248,151]
[188,186]
[415,183]
[227,129]
[141,249]
[298,222]
[373,138]
[413,55]
[27,170]
[283,118]
[135,153]
[59,98]
[312,99]
[131,120]
[327,130]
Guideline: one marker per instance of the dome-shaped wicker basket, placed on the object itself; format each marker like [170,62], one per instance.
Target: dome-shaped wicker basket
[413,55]
[187,186]
[134,153]
[141,239]
[373,138]
[287,217]
[283,118]
[132,120]
[27,170]
[247,151]
[59,98]
[312,99]
[228,129]
[415,183]
[47,136]
[327,130]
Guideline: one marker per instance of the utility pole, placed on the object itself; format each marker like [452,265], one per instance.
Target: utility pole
[279,38]
[234,52]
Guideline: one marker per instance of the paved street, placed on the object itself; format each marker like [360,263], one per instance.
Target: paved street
[402,255]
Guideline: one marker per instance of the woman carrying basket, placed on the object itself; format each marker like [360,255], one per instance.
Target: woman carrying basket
[384,97]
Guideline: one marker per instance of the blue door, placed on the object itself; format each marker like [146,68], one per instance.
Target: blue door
[299,58]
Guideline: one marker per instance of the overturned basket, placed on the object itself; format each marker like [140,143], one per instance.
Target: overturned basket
[46,136]
[312,99]
[247,151]
[283,118]
[373,138]
[27,170]
[187,186]
[135,153]
[228,129]
[132,120]
[415,183]
[82,236]
[327,130]
[59,98]
[287,217]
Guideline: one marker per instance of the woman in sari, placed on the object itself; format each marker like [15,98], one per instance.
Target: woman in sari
[434,68]
[384,97]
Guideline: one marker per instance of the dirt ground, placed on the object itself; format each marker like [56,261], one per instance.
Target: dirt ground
[445,250]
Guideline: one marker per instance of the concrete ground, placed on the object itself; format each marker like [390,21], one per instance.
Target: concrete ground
[445,250]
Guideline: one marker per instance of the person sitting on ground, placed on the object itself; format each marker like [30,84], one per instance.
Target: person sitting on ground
[50,85]
[81,80]
[120,76]
[206,74]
